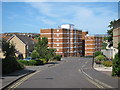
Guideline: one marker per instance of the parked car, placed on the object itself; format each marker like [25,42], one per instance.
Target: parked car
[28,58]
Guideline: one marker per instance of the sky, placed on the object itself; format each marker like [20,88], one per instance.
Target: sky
[30,17]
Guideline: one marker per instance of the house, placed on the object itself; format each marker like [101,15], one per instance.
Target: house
[116,36]
[23,44]
[66,39]
[116,33]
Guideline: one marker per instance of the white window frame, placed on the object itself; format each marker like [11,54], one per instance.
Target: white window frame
[57,39]
[57,30]
[58,35]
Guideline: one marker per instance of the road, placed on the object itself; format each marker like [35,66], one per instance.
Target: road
[69,73]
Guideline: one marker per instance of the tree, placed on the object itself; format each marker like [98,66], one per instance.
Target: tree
[110,33]
[36,37]
[9,63]
[41,46]
[42,49]
[8,49]
[50,54]
[34,54]
[97,53]
[116,63]
[104,45]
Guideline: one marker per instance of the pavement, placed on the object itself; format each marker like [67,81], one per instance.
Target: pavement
[101,74]
[11,78]
[103,69]
[95,73]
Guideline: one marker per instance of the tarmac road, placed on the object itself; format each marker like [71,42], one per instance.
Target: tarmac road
[73,72]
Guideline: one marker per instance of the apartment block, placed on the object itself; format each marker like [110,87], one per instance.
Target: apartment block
[66,39]
[93,44]
[83,42]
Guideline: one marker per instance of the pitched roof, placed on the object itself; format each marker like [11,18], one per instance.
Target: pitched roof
[34,40]
[25,39]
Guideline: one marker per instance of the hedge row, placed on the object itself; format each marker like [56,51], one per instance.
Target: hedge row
[31,62]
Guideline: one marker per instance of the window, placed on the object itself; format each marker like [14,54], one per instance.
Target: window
[57,49]
[57,44]
[57,30]
[57,34]
[57,39]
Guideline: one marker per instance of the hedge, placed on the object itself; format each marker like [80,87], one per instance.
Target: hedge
[58,57]
[44,61]
[31,62]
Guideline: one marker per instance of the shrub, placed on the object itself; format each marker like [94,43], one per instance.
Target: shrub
[97,53]
[107,63]
[10,64]
[100,59]
[58,57]
[34,54]
[29,63]
[116,66]
[44,61]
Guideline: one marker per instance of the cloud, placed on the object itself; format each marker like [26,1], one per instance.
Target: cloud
[88,18]
[45,20]
[44,8]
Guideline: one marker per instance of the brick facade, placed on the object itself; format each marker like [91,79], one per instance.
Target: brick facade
[68,42]
[92,44]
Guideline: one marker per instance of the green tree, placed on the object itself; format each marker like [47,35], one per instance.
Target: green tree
[8,49]
[116,63]
[51,54]
[43,51]
[110,33]
[9,63]
[36,36]
[34,54]
[97,53]
[104,45]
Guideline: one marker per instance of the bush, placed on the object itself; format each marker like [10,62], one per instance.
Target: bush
[29,63]
[100,59]
[116,66]
[10,64]
[97,53]
[34,54]
[107,63]
[44,61]
[58,57]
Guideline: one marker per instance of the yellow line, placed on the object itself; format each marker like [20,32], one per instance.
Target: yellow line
[24,79]
[21,81]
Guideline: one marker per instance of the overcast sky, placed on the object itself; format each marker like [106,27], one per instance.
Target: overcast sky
[33,16]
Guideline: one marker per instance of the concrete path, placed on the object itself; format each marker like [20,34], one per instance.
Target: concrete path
[103,69]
